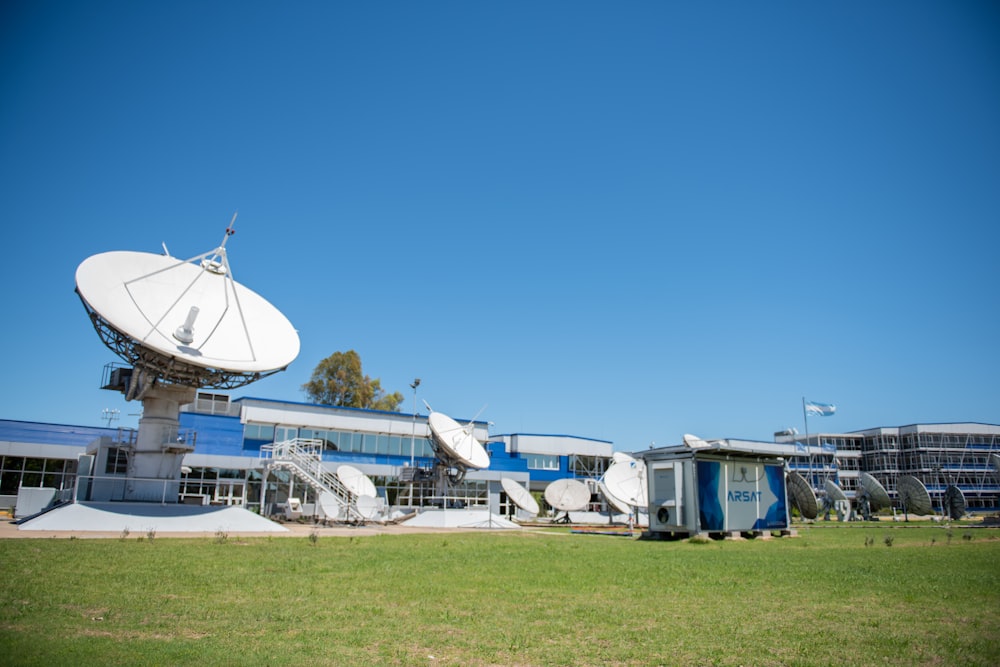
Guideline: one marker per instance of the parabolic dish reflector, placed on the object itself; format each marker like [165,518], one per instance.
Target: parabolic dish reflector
[332,507]
[954,502]
[694,442]
[457,441]
[519,495]
[183,319]
[626,483]
[567,495]
[367,506]
[877,495]
[356,481]
[802,495]
[913,495]
[834,492]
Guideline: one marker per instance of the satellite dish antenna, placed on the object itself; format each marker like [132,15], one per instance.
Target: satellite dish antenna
[331,505]
[621,457]
[368,506]
[519,495]
[184,323]
[995,462]
[954,502]
[913,494]
[835,499]
[694,442]
[876,493]
[567,495]
[181,325]
[833,491]
[456,442]
[356,481]
[624,485]
[802,495]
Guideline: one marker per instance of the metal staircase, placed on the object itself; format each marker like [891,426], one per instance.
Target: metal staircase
[303,458]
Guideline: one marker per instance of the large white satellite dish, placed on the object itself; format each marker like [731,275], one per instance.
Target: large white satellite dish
[567,495]
[624,483]
[356,481]
[187,323]
[519,495]
[181,324]
[457,442]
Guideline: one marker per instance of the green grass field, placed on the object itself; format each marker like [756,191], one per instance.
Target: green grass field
[834,595]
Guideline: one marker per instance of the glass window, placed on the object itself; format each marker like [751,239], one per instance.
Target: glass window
[258,432]
[117,463]
[543,462]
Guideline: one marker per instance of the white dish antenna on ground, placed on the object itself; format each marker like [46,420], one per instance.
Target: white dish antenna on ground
[367,506]
[802,495]
[567,495]
[519,495]
[877,495]
[694,442]
[954,502]
[913,494]
[624,485]
[834,492]
[457,442]
[187,323]
[356,481]
[331,505]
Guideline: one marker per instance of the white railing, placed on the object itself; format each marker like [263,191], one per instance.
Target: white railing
[304,458]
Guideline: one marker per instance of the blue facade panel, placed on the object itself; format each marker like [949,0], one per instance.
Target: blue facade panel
[218,435]
[52,434]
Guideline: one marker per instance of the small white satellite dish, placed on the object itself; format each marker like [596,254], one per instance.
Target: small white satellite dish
[457,441]
[356,481]
[626,483]
[877,495]
[188,323]
[694,442]
[802,495]
[913,494]
[954,502]
[567,495]
[834,492]
[519,495]
[367,506]
[331,505]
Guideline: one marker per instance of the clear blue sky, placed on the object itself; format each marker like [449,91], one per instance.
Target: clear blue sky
[623,221]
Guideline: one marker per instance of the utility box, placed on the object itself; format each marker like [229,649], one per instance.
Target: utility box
[714,490]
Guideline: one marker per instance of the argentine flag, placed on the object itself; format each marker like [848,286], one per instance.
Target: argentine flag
[820,409]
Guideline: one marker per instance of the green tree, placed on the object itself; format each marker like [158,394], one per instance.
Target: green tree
[338,380]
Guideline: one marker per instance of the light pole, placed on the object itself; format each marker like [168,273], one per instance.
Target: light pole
[413,433]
